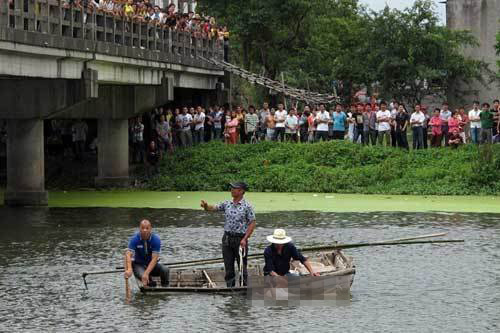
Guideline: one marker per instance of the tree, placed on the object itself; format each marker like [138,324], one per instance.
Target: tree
[413,56]
[407,53]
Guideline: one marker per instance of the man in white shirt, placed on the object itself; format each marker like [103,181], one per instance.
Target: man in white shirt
[291,126]
[280,117]
[475,123]
[394,112]
[218,124]
[384,126]
[417,120]
[199,125]
[185,131]
[322,120]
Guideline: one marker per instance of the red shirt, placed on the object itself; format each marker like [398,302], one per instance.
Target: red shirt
[436,123]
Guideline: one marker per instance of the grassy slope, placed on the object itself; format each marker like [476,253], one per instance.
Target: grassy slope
[333,167]
[267,202]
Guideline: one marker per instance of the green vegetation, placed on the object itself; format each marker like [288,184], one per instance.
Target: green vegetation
[333,167]
[273,202]
[319,44]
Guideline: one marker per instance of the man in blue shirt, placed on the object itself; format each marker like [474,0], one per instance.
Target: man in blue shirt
[145,247]
[339,120]
[278,255]
[238,227]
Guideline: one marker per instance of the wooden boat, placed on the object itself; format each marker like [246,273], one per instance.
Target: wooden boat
[336,275]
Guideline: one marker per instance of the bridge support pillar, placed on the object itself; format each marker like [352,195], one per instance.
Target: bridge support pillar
[112,156]
[25,163]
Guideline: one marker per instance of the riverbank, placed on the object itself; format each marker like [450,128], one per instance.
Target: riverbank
[271,202]
[333,167]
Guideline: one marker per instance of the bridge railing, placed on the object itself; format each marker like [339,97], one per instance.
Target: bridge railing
[49,23]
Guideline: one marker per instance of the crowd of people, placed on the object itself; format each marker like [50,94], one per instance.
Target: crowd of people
[152,11]
[379,123]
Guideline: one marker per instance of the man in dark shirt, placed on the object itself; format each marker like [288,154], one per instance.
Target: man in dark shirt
[358,121]
[278,255]
[402,121]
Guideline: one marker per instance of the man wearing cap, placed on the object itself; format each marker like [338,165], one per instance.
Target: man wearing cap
[238,227]
[145,247]
[278,255]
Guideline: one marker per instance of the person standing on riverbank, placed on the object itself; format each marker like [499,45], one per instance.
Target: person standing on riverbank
[238,227]
[280,118]
[145,248]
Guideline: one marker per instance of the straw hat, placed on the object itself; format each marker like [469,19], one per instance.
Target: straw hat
[279,237]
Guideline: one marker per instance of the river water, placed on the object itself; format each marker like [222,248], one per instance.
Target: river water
[412,288]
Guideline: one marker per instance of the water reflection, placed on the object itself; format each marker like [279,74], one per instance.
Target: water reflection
[405,288]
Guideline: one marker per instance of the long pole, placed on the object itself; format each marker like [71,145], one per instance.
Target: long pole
[401,241]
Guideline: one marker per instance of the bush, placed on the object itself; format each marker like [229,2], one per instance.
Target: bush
[330,167]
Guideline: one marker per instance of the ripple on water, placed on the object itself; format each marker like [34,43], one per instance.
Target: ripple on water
[405,288]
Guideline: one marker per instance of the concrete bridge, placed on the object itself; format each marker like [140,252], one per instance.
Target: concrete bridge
[64,63]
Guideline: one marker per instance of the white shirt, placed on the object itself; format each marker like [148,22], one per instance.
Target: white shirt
[280,117]
[474,114]
[445,115]
[322,116]
[218,119]
[199,117]
[383,125]
[417,116]
[187,119]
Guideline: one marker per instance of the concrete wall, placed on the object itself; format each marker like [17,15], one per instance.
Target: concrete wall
[481,17]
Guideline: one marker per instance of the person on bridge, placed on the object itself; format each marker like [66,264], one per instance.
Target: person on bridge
[238,227]
[145,248]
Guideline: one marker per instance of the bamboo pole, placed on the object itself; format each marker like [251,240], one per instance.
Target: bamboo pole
[340,246]
[316,248]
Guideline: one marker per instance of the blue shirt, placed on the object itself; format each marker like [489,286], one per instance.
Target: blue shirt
[280,263]
[144,249]
[238,215]
[339,121]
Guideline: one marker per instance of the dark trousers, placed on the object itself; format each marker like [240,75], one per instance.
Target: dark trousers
[359,133]
[366,137]
[230,253]
[436,141]
[138,156]
[373,136]
[401,139]
[279,132]
[338,135]
[444,130]
[418,140]
[159,270]
[425,137]
[394,138]
[321,135]
[79,150]
[303,135]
